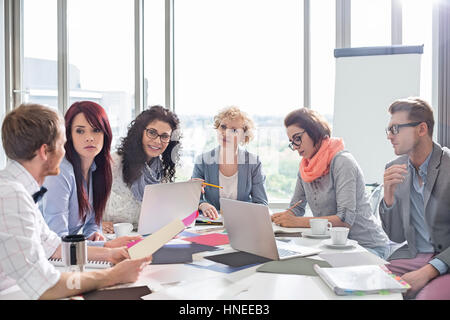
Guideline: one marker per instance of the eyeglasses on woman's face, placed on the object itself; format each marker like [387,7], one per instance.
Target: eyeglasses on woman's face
[296,140]
[153,134]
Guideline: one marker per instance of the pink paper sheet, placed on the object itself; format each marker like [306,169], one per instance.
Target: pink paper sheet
[212,239]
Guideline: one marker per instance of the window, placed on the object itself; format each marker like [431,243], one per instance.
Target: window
[40,50]
[154,52]
[323,43]
[370,23]
[101,58]
[418,30]
[243,53]
[2,81]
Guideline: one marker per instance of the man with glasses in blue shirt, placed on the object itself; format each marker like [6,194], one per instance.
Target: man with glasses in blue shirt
[416,203]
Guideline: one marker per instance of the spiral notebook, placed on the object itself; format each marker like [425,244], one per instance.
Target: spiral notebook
[89,265]
[361,280]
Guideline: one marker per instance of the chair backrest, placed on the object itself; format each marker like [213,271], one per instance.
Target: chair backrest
[375,198]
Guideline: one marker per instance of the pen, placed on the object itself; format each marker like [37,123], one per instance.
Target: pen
[212,185]
[296,204]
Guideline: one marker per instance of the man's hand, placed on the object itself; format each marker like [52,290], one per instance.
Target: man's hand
[419,278]
[128,271]
[393,176]
[117,255]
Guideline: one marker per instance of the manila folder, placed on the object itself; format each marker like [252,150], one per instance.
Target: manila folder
[155,241]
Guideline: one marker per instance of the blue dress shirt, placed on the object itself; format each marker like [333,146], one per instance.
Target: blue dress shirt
[423,239]
[60,204]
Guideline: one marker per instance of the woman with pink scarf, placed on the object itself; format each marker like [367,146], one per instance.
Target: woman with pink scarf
[331,182]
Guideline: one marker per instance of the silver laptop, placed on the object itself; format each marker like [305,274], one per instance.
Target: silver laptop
[250,230]
[162,203]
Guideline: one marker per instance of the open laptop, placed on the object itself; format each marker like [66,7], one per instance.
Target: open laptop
[250,230]
[164,202]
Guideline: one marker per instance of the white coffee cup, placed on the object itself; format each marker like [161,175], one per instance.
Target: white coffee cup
[320,226]
[122,229]
[339,235]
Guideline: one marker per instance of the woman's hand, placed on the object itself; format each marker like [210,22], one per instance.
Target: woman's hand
[107,227]
[122,241]
[198,179]
[209,210]
[96,236]
[288,219]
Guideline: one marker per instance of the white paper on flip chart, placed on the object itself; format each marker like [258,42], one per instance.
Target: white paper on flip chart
[155,241]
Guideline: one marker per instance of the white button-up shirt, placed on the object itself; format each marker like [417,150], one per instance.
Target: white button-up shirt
[26,242]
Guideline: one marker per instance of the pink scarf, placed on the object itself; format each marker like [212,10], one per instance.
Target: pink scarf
[319,164]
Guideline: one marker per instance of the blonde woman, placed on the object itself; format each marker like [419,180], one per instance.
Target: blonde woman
[229,165]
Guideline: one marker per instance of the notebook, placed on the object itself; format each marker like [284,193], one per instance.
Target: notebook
[89,265]
[360,280]
[202,220]
[130,293]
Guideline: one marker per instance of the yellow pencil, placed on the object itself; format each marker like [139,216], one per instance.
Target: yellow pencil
[212,185]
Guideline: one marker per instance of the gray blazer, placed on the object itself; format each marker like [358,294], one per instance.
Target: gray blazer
[396,220]
[250,177]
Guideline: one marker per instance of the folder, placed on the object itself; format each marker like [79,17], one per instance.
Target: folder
[155,241]
[361,280]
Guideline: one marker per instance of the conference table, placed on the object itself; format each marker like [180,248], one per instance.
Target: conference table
[197,281]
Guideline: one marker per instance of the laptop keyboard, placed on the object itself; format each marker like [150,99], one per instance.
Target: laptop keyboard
[286,253]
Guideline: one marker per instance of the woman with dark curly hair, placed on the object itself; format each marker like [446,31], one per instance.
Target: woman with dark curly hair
[147,155]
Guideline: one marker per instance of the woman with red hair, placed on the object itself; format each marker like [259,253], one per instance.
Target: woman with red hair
[76,198]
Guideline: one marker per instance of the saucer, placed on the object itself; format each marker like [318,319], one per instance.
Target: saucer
[349,244]
[309,234]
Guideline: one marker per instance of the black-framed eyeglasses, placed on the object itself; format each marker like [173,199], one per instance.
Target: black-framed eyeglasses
[153,134]
[395,128]
[234,131]
[296,140]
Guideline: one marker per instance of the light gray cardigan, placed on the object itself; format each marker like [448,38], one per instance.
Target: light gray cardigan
[250,177]
[396,220]
[341,192]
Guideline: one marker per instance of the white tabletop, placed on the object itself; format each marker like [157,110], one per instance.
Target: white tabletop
[185,281]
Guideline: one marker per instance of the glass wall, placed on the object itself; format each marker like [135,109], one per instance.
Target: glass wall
[370,23]
[240,53]
[418,30]
[226,52]
[323,43]
[2,81]
[101,58]
[40,50]
[154,52]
